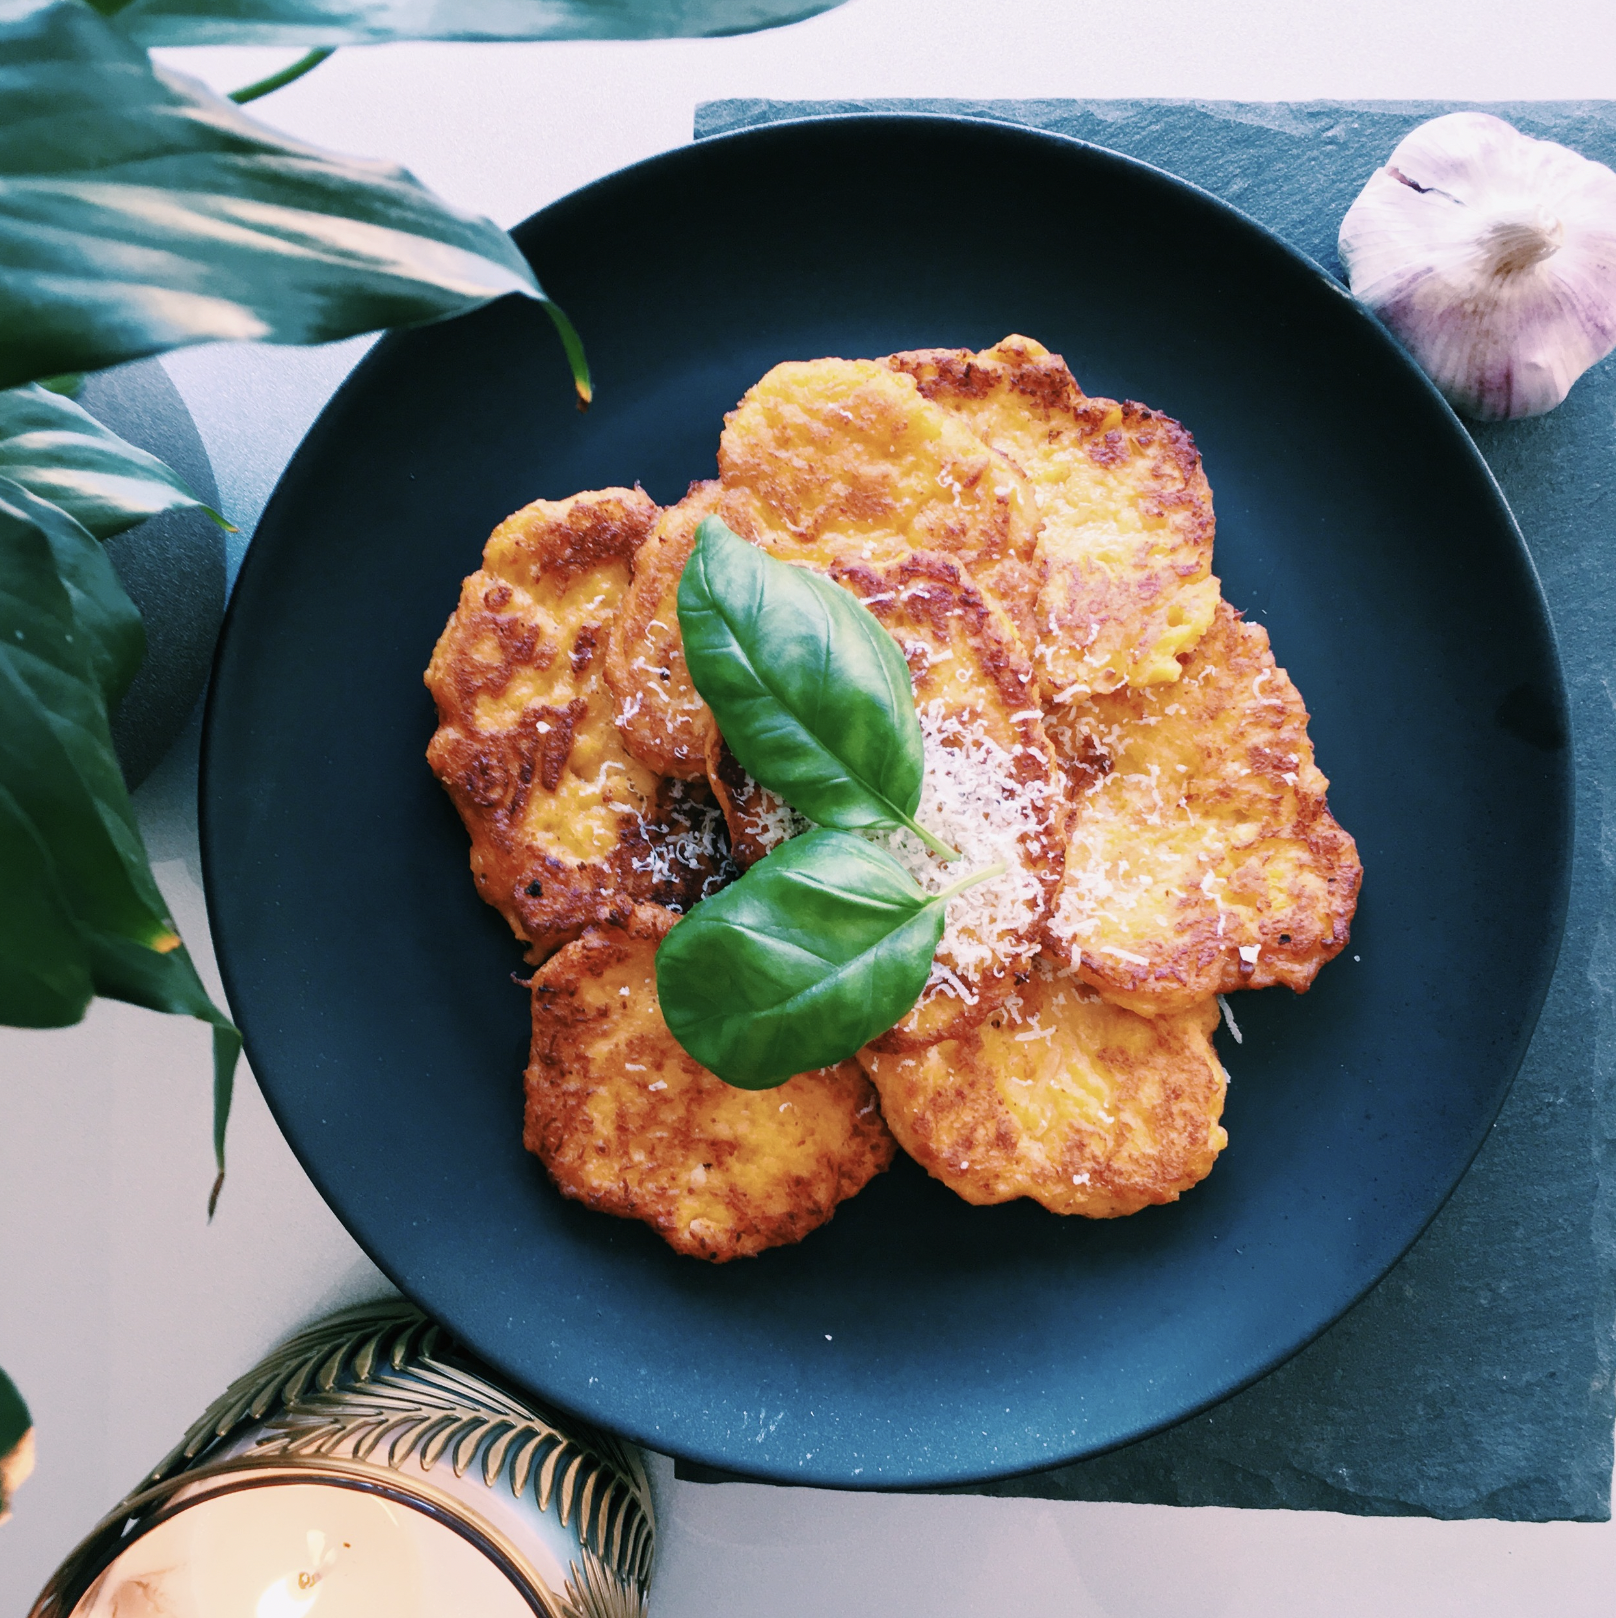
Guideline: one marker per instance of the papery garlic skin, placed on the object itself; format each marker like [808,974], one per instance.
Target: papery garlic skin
[1492,255]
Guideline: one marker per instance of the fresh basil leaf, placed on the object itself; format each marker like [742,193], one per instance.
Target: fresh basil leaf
[812,694]
[140,212]
[60,452]
[362,22]
[77,897]
[16,1443]
[812,953]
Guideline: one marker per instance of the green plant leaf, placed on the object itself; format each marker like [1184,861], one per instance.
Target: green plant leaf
[61,453]
[16,1443]
[361,22]
[79,906]
[14,1417]
[811,954]
[140,212]
[811,693]
[45,976]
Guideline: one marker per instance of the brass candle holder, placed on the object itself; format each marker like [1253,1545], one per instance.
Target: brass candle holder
[366,1457]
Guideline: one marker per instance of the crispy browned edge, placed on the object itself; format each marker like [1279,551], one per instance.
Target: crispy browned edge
[490,776]
[742,800]
[558,1026]
[662,720]
[1294,947]
[957,373]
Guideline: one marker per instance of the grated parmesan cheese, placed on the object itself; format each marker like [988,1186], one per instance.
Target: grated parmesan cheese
[1035,1032]
[776,822]
[1228,1020]
[974,799]
[693,835]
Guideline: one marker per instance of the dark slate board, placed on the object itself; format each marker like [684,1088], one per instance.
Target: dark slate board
[1476,1380]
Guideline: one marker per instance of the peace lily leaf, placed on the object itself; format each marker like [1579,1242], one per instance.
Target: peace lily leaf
[79,907]
[16,1443]
[140,212]
[358,22]
[811,693]
[69,641]
[44,965]
[61,453]
[811,954]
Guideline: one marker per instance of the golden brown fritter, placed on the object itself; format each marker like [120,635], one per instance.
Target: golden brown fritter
[1125,547]
[629,1124]
[990,788]
[758,821]
[1202,855]
[1093,716]
[1082,1106]
[567,828]
[843,461]
[660,714]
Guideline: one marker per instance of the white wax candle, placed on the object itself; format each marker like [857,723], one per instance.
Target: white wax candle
[301,1550]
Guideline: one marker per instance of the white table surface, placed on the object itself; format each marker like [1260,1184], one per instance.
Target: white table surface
[123,1312]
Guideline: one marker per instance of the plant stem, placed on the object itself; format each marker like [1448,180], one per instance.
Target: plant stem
[574,348]
[998,868]
[936,845]
[276,81]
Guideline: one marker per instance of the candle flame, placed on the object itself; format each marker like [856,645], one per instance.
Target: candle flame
[289,1597]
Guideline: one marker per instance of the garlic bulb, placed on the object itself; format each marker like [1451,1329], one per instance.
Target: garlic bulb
[1493,257]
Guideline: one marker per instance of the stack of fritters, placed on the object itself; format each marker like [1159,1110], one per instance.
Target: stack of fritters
[1094,716]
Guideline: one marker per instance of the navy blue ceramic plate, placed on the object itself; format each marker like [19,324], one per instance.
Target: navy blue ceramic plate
[915,1340]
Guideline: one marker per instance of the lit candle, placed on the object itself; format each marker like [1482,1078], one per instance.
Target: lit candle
[301,1550]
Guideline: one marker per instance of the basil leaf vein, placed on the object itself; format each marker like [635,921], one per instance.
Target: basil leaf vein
[811,692]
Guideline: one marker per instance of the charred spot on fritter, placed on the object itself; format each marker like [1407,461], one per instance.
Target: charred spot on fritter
[758,821]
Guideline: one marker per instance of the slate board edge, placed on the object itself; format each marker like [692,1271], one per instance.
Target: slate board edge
[1275,1478]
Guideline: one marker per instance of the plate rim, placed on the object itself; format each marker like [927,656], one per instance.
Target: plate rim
[919,1475]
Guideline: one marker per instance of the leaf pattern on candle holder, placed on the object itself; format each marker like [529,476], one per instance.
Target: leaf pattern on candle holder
[370,1385]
